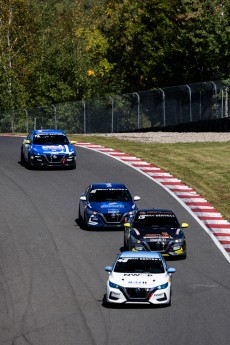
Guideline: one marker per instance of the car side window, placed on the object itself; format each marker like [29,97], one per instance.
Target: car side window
[30,137]
[87,192]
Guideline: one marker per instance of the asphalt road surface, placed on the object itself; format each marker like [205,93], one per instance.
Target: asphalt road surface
[52,278]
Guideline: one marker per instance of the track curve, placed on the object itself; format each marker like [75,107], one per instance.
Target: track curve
[52,278]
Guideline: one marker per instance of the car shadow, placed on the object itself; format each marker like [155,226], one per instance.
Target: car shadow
[80,223]
[44,168]
[107,305]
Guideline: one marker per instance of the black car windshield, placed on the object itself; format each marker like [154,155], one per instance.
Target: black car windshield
[139,265]
[100,195]
[48,139]
[155,221]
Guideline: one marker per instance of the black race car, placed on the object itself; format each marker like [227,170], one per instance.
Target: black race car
[155,230]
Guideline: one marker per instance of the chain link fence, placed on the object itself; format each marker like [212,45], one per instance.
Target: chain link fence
[125,113]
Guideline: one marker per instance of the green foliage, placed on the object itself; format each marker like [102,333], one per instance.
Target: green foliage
[64,50]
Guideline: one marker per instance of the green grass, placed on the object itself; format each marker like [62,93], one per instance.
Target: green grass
[203,166]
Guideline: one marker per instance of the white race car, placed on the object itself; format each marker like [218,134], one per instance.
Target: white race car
[139,277]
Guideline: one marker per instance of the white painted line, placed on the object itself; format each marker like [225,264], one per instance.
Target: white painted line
[155,174]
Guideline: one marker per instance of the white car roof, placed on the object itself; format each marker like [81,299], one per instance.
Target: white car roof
[144,254]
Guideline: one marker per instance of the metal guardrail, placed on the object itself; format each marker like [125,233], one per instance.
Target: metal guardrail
[128,112]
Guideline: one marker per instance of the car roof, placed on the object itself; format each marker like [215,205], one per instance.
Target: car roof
[48,131]
[154,210]
[108,185]
[141,254]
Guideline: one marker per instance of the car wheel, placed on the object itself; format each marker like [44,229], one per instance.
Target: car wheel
[170,298]
[22,158]
[125,244]
[129,247]
[85,225]
[79,214]
[29,166]
[183,257]
[105,303]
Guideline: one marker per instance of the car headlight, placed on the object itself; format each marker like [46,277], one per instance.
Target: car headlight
[163,286]
[179,241]
[91,212]
[34,154]
[113,285]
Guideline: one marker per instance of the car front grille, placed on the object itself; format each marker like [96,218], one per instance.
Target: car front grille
[137,293]
[113,217]
[54,158]
[159,246]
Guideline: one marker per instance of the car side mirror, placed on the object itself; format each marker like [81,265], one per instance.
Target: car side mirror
[72,142]
[136,198]
[171,270]
[108,269]
[127,225]
[83,198]
[184,225]
[27,141]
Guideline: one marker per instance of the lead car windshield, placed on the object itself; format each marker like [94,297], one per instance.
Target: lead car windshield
[50,140]
[137,265]
[100,195]
[151,222]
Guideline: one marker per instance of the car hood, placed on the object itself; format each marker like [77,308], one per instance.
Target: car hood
[44,149]
[146,280]
[112,207]
[148,234]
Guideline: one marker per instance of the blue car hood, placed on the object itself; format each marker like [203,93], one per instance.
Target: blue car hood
[112,207]
[44,149]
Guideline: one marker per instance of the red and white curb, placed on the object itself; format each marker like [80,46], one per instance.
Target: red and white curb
[204,213]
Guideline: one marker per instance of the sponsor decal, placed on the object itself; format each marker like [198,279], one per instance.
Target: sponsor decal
[159,294]
[53,147]
[136,282]
[143,215]
[112,205]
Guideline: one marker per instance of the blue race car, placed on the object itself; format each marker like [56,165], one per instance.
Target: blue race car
[106,205]
[48,147]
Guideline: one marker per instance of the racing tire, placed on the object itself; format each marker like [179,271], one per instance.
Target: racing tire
[22,158]
[79,215]
[105,303]
[71,167]
[84,224]
[29,165]
[183,257]
[125,244]
[170,300]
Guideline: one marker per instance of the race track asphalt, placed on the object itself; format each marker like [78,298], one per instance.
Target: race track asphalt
[52,278]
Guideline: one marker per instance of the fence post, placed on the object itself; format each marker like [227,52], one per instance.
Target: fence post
[190,102]
[138,110]
[84,116]
[27,125]
[215,90]
[163,107]
[226,101]
[112,114]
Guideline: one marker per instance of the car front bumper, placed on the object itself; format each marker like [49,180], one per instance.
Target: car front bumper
[142,296]
[53,160]
[173,251]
